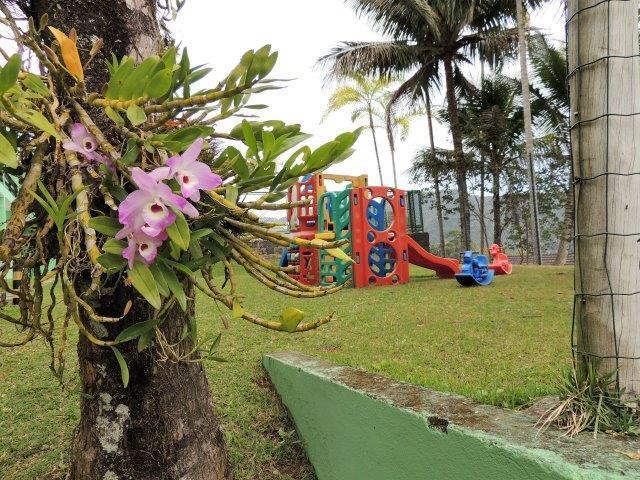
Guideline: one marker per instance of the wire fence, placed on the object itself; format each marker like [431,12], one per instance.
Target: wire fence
[587,179]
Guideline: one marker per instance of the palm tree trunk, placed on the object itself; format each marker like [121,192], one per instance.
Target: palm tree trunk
[461,164]
[528,129]
[163,425]
[608,205]
[483,225]
[567,227]
[375,145]
[436,181]
[393,163]
[497,208]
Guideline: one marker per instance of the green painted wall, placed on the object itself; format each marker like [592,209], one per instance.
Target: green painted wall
[353,429]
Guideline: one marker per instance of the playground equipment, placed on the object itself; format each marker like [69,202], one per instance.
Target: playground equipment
[373,221]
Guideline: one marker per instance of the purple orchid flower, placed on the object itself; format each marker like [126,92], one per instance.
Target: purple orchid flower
[149,208]
[86,144]
[191,175]
[143,247]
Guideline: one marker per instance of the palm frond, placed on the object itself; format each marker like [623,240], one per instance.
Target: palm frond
[384,59]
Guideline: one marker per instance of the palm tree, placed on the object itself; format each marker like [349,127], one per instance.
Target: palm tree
[528,129]
[425,36]
[492,124]
[368,98]
[551,110]
[433,164]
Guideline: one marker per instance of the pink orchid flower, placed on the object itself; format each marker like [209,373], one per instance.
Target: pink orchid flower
[83,142]
[142,247]
[149,208]
[191,175]
[86,144]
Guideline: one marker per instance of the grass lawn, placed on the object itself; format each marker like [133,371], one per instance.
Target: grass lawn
[503,345]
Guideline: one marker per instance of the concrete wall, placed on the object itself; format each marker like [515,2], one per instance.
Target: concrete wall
[360,426]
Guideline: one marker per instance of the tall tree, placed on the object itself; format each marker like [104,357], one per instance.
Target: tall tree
[492,125]
[605,139]
[428,34]
[528,128]
[551,111]
[112,149]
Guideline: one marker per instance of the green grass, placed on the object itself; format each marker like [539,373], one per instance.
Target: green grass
[502,345]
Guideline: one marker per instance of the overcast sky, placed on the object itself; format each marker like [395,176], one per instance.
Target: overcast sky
[217,33]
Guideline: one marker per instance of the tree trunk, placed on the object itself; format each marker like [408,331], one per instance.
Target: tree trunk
[497,208]
[393,163]
[605,99]
[436,181]
[461,164]
[528,131]
[567,227]
[375,145]
[163,425]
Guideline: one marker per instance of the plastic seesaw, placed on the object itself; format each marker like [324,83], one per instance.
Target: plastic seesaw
[474,271]
[500,263]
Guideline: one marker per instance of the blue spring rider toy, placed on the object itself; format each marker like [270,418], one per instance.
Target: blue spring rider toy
[474,271]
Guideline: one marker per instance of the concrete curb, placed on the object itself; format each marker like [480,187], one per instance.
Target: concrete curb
[356,425]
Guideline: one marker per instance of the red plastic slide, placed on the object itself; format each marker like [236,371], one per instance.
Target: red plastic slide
[444,267]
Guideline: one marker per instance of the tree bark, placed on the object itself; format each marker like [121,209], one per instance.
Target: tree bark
[528,132]
[605,100]
[461,164]
[163,425]
[436,181]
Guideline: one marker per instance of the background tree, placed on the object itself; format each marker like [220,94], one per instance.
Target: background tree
[551,111]
[434,165]
[523,33]
[120,205]
[427,35]
[492,124]
[367,98]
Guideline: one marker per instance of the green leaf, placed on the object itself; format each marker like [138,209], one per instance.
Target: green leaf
[124,369]
[134,331]
[114,246]
[179,266]
[290,319]
[145,339]
[249,138]
[231,193]
[105,225]
[118,77]
[9,73]
[136,115]
[179,232]
[114,115]
[111,262]
[174,285]
[339,254]
[38,120]
[163,288]
[238,310]
[35,84]
[132,153]
[142,279]
[8,155]
[159,84]
[135,84]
